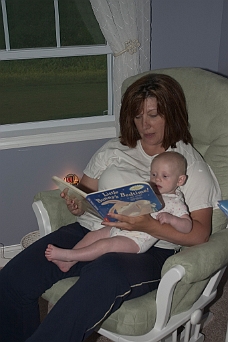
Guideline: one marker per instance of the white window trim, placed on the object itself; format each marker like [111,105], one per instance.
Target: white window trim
[59,131]
[69,51]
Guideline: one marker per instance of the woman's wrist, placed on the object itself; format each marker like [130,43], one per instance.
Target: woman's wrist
[81,214]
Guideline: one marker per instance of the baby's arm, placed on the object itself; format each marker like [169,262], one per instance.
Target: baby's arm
[182,224]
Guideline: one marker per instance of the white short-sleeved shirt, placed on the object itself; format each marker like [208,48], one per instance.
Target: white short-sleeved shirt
[115,165]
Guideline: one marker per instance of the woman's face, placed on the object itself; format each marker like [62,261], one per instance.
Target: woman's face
[150,126]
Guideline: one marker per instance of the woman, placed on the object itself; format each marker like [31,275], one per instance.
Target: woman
[153,119]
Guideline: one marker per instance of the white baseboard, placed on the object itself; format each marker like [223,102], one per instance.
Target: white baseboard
[8,252]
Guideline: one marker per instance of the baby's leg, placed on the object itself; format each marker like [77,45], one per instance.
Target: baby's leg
[92,251]
[66,258]
[93,236]
[123,244]
[106,245]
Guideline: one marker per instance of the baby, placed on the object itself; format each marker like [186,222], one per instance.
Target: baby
[168,172]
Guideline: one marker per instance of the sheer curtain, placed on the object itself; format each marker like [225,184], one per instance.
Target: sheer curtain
[125,25]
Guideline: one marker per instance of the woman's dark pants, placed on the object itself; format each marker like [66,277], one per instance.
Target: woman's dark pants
[102,287]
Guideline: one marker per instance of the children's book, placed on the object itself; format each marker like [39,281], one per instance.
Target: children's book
[133,199]
[223,205]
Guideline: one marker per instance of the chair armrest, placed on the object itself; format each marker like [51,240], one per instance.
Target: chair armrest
[165,294]
[200,262]
[42,218]
[192,274]
[51,211]
[213,255]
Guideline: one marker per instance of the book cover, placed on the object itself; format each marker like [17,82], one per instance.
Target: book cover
[133,199]
[223,205]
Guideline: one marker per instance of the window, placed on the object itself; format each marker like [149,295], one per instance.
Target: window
[54,65]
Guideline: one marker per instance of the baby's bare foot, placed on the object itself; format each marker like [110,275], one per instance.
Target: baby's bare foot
[56,253]
[59,257]
[64,266]
[49,253]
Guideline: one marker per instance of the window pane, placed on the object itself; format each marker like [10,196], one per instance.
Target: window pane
[55,88]
[31,23]
[78,25]
[2,39]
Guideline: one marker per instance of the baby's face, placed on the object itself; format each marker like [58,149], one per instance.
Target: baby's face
[165,176]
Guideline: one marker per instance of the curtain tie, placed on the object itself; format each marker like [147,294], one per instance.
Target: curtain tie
[131,46]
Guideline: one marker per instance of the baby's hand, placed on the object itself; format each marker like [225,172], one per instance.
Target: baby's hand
[164,218]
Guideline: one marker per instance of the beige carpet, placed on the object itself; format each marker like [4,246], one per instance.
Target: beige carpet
[215,331]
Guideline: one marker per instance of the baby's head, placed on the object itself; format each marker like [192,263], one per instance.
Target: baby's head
[168,171]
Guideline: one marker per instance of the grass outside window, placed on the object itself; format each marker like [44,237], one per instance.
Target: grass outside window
[52,89]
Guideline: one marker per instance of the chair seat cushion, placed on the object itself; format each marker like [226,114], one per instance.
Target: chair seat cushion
[135,317]
[53,294]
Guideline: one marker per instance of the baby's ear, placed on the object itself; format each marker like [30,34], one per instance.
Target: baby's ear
[182,180]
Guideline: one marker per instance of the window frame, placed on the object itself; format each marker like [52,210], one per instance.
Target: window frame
[57,131]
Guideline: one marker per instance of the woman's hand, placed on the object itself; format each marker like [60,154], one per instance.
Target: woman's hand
[73,205]
[201,227]
[139,223]
[87,185]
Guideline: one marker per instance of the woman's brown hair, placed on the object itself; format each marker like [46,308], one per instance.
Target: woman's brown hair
[171,105]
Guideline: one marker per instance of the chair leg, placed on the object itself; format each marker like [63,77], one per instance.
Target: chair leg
[174,336]
[187,331]
[200,338]
[226,334]
[197,331]
[191,333]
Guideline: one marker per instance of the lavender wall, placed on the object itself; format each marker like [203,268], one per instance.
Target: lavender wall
[26,171]
[190,33]
[184,33]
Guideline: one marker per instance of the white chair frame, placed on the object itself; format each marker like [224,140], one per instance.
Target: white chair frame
[165,328]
